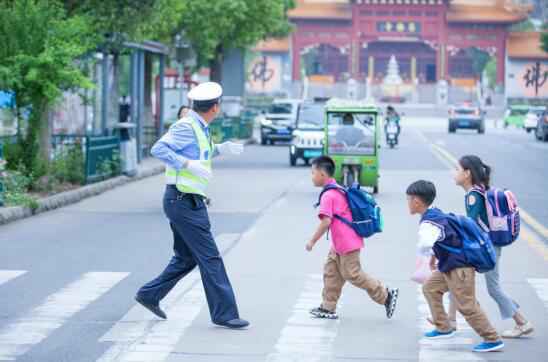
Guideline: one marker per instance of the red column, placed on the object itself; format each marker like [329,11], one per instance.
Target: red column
[501,59]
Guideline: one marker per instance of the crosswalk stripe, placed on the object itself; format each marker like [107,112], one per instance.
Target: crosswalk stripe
[139,336]
[541,287]
[7,275]
[21,335]
[443,349]
[304,338]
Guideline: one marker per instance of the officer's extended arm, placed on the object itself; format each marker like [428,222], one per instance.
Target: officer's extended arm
[166,148]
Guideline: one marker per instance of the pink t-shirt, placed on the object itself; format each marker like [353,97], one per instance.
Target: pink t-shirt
[343,238]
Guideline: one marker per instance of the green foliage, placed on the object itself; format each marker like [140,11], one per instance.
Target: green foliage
[544,38]
[526,25]
[238,24]
[117,21]
[16,185]
[110,167]
[480,59]
[39,46]
[491,71]
[68,165]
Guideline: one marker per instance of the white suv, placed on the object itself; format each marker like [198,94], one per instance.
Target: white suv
[532,117]
[308,136]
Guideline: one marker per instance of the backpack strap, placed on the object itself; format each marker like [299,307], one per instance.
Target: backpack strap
[483,192]
[327,188]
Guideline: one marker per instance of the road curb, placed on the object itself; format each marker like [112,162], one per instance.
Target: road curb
[11,214]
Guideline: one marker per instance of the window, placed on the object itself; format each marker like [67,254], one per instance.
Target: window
[351,133]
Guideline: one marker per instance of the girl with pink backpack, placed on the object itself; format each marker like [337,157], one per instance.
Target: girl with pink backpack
[497,212]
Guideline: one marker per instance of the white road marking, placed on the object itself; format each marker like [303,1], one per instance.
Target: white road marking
[306,339]
[541,287]
[7,275]
[140,336]
[139,330]
[458,348]
[18,337]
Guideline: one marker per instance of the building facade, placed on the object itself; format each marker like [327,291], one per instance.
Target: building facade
[431,39]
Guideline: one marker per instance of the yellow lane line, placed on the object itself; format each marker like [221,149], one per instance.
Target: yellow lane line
[534,242]
[536,225]
[525,216]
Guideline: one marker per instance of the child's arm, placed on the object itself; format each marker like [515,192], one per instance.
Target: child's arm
[320,231]
[433,263]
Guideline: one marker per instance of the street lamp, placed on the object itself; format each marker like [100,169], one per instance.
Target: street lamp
[185,56]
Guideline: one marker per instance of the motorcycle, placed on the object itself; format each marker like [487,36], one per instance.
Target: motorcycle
[392,132]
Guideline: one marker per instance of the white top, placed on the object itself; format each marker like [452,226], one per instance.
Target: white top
[429,233]
[207,91]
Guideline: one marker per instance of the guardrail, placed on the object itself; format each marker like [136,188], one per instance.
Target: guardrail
[98,151]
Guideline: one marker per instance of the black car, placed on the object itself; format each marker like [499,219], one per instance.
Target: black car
[466,116]
[542,127]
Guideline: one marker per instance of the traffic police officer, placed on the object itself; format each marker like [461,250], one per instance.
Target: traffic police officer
[187,150]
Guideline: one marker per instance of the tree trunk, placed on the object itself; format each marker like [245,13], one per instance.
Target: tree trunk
[45,134]
[216,65]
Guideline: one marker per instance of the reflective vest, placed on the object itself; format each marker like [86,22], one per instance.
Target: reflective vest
[184,180]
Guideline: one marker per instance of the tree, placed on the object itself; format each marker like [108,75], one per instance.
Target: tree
[544,38]
[213,27]
[38,48]
[526,25]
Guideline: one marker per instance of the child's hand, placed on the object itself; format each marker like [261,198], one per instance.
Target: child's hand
[309,246]
[433,263]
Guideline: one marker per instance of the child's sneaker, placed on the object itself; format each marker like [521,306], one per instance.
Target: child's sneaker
[435,334]
[391,301]
[489,346]
[323,313]
[519,331]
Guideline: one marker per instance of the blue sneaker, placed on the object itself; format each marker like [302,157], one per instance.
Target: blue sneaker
[435,334]
[489,346]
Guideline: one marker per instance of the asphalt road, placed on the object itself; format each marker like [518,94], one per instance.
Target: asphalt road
[67,278]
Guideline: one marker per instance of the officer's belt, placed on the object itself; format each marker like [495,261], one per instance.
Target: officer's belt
[181,195]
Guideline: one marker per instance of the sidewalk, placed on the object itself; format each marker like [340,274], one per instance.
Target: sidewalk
[148,167]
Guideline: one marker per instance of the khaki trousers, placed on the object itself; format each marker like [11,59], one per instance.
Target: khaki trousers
[340,269]
[461,283]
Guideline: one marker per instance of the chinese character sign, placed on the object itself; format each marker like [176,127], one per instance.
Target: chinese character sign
[265,74]
[535,77]
[527,79]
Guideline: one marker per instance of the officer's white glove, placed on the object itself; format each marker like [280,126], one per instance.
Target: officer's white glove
[230,148]
[196,168]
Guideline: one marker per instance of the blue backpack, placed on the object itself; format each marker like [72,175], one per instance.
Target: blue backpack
[477,247]
[366,214]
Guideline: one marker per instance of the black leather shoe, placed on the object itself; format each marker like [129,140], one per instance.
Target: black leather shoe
[154,308]
[234,324]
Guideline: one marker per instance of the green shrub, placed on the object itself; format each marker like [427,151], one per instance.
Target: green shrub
[68,165]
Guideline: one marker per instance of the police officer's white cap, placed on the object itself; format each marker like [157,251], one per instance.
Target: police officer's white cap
[208,91]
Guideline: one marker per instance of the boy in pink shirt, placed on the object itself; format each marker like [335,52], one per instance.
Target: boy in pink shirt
[343,261]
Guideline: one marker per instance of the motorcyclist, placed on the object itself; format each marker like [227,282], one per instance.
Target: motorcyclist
[392,116]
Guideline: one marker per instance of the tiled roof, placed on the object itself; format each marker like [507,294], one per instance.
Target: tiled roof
[273,45]
[525,45]
[306,9]
[499,12]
